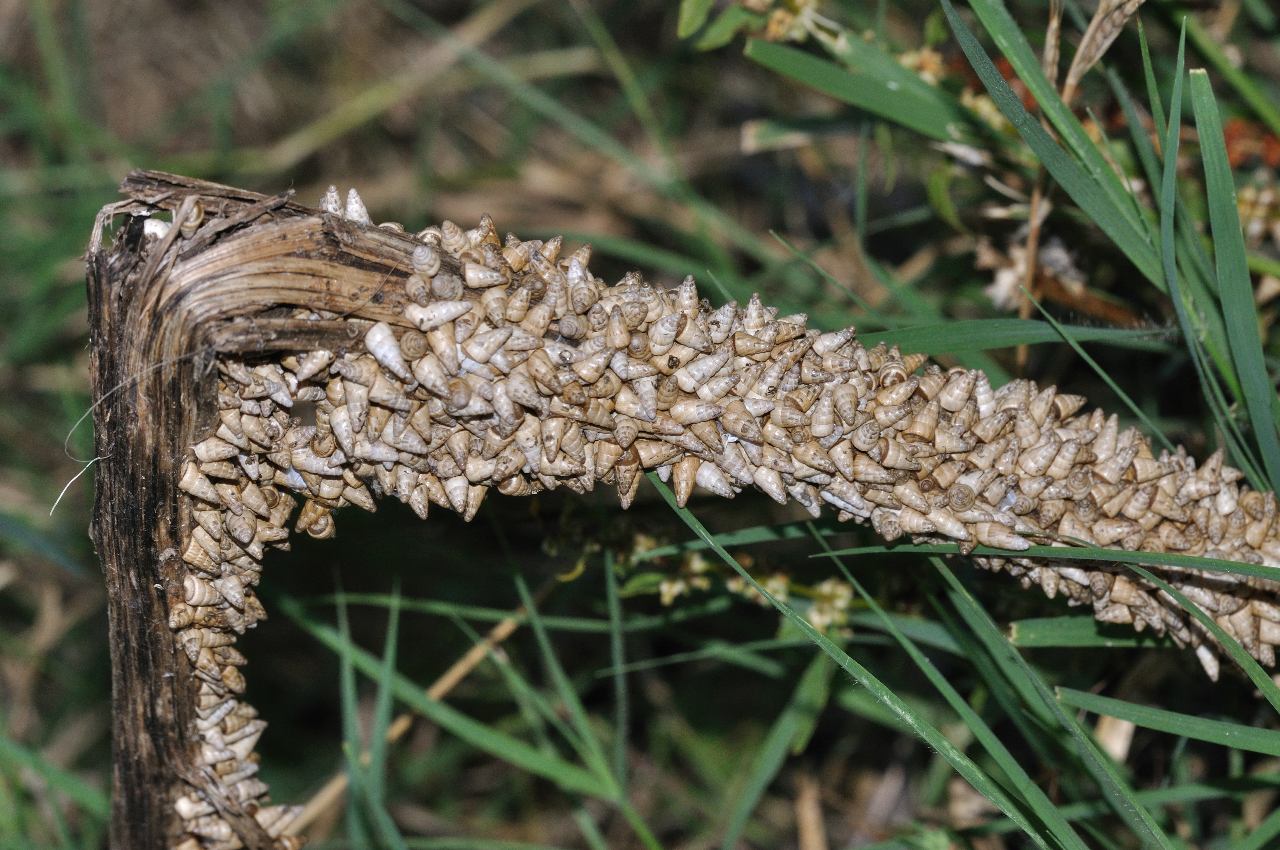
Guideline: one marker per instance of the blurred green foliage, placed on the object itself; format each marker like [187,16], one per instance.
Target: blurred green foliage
[877,164]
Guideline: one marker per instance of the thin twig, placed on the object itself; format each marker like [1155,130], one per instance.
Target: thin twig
[1032,256]
[1049,62]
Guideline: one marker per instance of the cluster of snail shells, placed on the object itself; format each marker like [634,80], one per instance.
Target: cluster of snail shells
[238,510]
[514,368]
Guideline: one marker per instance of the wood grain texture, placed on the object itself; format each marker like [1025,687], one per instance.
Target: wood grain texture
[158,319]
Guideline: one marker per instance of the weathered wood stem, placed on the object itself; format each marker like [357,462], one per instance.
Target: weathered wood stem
[159,318]
[440,365]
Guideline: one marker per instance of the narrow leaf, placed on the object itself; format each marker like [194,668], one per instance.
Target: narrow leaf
[801,713]
[966,767]
[1235,735]
[884,98]
[1235,286]
[693,14]
[568,776]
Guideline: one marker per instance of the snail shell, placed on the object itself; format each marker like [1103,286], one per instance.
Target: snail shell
[960,497]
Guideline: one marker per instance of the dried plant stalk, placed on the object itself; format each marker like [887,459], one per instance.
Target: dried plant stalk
[1108,22]
[442,364]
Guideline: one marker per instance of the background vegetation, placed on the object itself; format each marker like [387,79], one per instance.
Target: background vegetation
[889,165]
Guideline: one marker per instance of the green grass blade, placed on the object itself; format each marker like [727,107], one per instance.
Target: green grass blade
[1018,782]
[1168,200]
[19,533]
[638,101]
[752,535]
[1079,633]
[540,713]
[1234,284]
[445,608]
[1028,714]
[1261,13]
[919,727]
[1244,84]
[1104,771]
[382,704]
[693,14]
[872,60]
[590,748]
[1264,835]
[385,827]
[375,786]
[480,613]
[912,300]
[907,297]
[801,712]
[590,832]
[918,629]
[990,334]
[567,776]
[56,66]
[726,25]
[352,743]
[618,657]
[1190,244]
[925,111]
[866,312]
[1073,553]
[1182,794]
[592,752]
[732,652]
[537,710]
[92,800]
[1235,735]
[587,132]
[858,702]
[860,187]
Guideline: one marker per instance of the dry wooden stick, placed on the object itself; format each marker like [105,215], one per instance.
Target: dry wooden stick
[447,362]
